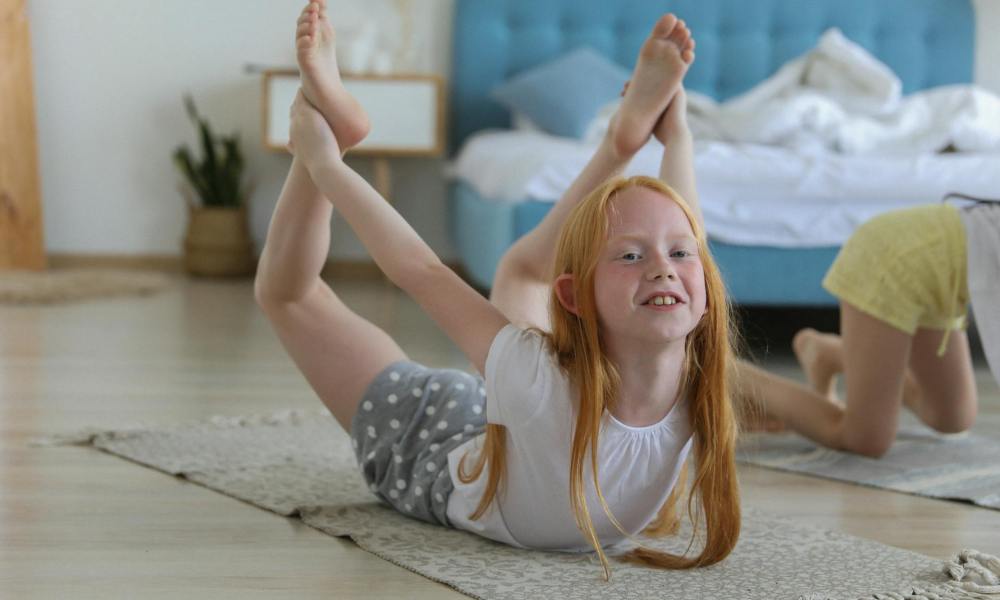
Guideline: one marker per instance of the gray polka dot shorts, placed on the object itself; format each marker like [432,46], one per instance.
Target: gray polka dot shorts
[408,421]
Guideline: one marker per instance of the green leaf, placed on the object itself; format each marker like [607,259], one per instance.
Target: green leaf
[182,158]
[216,177]
[210,167]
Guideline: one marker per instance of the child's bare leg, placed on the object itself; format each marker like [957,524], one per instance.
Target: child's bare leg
[875,361]
[315,50]
[821,357]
[677,163]
[339,352]
[944,396]
[875,358]
[521,285]
[764,397]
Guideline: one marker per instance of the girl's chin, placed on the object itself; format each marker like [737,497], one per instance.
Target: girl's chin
[648,336]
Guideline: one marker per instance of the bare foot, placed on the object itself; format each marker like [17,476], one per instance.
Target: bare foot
[316,52]
[819,355]
[663,61]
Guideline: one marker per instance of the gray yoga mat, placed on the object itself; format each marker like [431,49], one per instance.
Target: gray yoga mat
[300,464]
[963,467]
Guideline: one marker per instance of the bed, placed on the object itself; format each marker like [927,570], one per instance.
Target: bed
[927,43]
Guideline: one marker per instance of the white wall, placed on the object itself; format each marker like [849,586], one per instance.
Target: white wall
[988,44]
[109,75]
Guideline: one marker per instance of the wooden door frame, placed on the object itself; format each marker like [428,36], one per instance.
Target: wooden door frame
[21,227]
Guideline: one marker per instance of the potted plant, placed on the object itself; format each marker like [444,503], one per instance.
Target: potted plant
[218,238]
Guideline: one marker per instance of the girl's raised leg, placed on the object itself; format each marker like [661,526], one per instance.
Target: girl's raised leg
[339,352]
[677,163]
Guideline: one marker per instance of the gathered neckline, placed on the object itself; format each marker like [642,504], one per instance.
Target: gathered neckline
[646,428]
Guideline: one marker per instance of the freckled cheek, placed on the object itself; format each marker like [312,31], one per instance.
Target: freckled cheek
[612,279]
[612,294]
[610,297]
[695,284]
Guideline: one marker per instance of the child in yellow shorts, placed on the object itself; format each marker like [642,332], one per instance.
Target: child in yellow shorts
[904,280]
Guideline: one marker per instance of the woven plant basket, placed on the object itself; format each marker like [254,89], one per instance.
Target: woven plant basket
[218,242]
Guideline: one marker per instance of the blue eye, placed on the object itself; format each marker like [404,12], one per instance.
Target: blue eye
[630,256]
[680,254]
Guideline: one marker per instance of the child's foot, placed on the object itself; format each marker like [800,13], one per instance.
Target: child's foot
[663,60]
[818,354]
[316,52]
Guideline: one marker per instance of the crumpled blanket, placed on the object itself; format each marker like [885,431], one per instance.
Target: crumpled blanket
[838,97]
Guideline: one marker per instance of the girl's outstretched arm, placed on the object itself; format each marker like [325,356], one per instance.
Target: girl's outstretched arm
[464,315]
[523,279]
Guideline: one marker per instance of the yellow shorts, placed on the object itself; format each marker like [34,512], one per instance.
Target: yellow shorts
[906,268]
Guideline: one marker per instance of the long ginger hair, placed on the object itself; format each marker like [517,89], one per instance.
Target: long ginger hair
[575,341]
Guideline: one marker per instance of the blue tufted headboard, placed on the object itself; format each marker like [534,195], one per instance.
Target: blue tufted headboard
[740,42]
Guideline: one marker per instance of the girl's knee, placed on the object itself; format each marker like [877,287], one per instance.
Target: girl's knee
[873,448]
[870,444]
[869,436]
[952,413]
[955,423]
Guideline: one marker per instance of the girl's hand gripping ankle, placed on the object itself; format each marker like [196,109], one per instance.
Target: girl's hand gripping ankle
[310,136]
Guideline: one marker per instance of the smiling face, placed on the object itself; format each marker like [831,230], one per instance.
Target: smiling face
[649,284]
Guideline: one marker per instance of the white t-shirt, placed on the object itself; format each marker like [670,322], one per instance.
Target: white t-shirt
[529,394]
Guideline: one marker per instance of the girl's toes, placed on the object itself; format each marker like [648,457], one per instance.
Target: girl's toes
[680,35]
[665,25]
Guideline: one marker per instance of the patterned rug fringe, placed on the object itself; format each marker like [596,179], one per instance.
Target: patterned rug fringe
[974,576]
[975,572]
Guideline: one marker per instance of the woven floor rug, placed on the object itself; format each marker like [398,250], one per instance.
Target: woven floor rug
[47,287]
[300,464]
[964,467]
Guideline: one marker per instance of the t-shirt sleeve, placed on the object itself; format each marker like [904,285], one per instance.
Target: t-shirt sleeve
[519,373]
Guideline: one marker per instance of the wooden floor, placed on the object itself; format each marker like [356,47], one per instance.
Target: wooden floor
[78,523]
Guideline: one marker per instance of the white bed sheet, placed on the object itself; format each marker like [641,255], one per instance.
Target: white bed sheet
[750,194]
